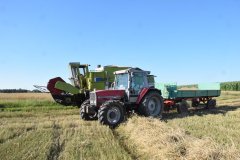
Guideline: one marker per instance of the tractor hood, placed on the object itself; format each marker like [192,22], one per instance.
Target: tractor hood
[97,98]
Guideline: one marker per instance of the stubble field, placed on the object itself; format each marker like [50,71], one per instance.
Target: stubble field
[32,126]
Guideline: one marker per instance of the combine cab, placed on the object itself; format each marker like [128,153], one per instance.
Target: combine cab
[82,82]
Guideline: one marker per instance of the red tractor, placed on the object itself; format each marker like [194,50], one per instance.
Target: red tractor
[131,91]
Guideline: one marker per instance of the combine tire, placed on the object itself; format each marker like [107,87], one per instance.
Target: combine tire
[182,108]
[83,114]
[111,113]
[152,105]
[211,104]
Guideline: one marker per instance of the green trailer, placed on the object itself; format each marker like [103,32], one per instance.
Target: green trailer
[177,98]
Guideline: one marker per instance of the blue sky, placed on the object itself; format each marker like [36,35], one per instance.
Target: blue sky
[179,41]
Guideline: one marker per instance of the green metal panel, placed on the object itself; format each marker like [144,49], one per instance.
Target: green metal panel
[93,75]
[209,86]
[97,86]
[109,71]
[169,91]
[66,87]
[197,93]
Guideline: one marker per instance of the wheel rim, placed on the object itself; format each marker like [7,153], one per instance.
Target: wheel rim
[113,115]
[153,106]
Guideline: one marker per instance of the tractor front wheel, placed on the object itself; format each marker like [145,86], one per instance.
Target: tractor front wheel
[83,114]
[152,105]
[111,113]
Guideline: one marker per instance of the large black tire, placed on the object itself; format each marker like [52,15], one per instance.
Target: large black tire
[211,104]
[195,102]
[151,105]
[83,114]
[111,113]
[182,107]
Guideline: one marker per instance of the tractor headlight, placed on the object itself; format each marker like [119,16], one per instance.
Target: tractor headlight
[93,98]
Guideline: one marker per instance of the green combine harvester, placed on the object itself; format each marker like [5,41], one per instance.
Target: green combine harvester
[82,82]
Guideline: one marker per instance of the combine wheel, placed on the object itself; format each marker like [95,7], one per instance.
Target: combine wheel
[152,105]
[211,104]
[182,107]
[83,114]
[111,113]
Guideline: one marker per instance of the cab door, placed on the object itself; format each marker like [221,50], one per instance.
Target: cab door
[138,81]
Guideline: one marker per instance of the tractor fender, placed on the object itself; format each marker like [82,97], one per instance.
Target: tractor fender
[144,92]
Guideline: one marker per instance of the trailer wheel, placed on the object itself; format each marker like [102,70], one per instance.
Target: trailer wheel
[111,113]
[152,105]
[83,114]
[182,107]
[195,102]
[211,104]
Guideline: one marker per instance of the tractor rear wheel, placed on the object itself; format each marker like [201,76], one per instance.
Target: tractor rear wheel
[83,114]
[111,113]
[152,105]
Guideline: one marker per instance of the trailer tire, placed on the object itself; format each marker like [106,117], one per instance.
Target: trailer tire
[152,105]
[195,102]
[182,107]
[111,113]
[211,104]
[83,114]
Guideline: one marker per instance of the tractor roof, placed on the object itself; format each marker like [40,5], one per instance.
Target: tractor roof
[129,70]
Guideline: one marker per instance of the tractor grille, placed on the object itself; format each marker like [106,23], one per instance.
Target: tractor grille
[93,97]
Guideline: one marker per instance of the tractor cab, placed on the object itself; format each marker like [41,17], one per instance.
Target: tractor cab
[132,80]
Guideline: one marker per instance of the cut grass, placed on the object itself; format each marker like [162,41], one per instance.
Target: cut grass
[57,137]
[221,124]
[204,134]
[33,129]
[38,128]
[31,145]
[153,139]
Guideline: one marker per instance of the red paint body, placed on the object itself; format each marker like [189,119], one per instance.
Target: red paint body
[169,103]
[105,95]
[143,92]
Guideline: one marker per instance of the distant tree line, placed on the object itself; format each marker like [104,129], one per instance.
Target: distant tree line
[225,86]
[18,91]
[230,86]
